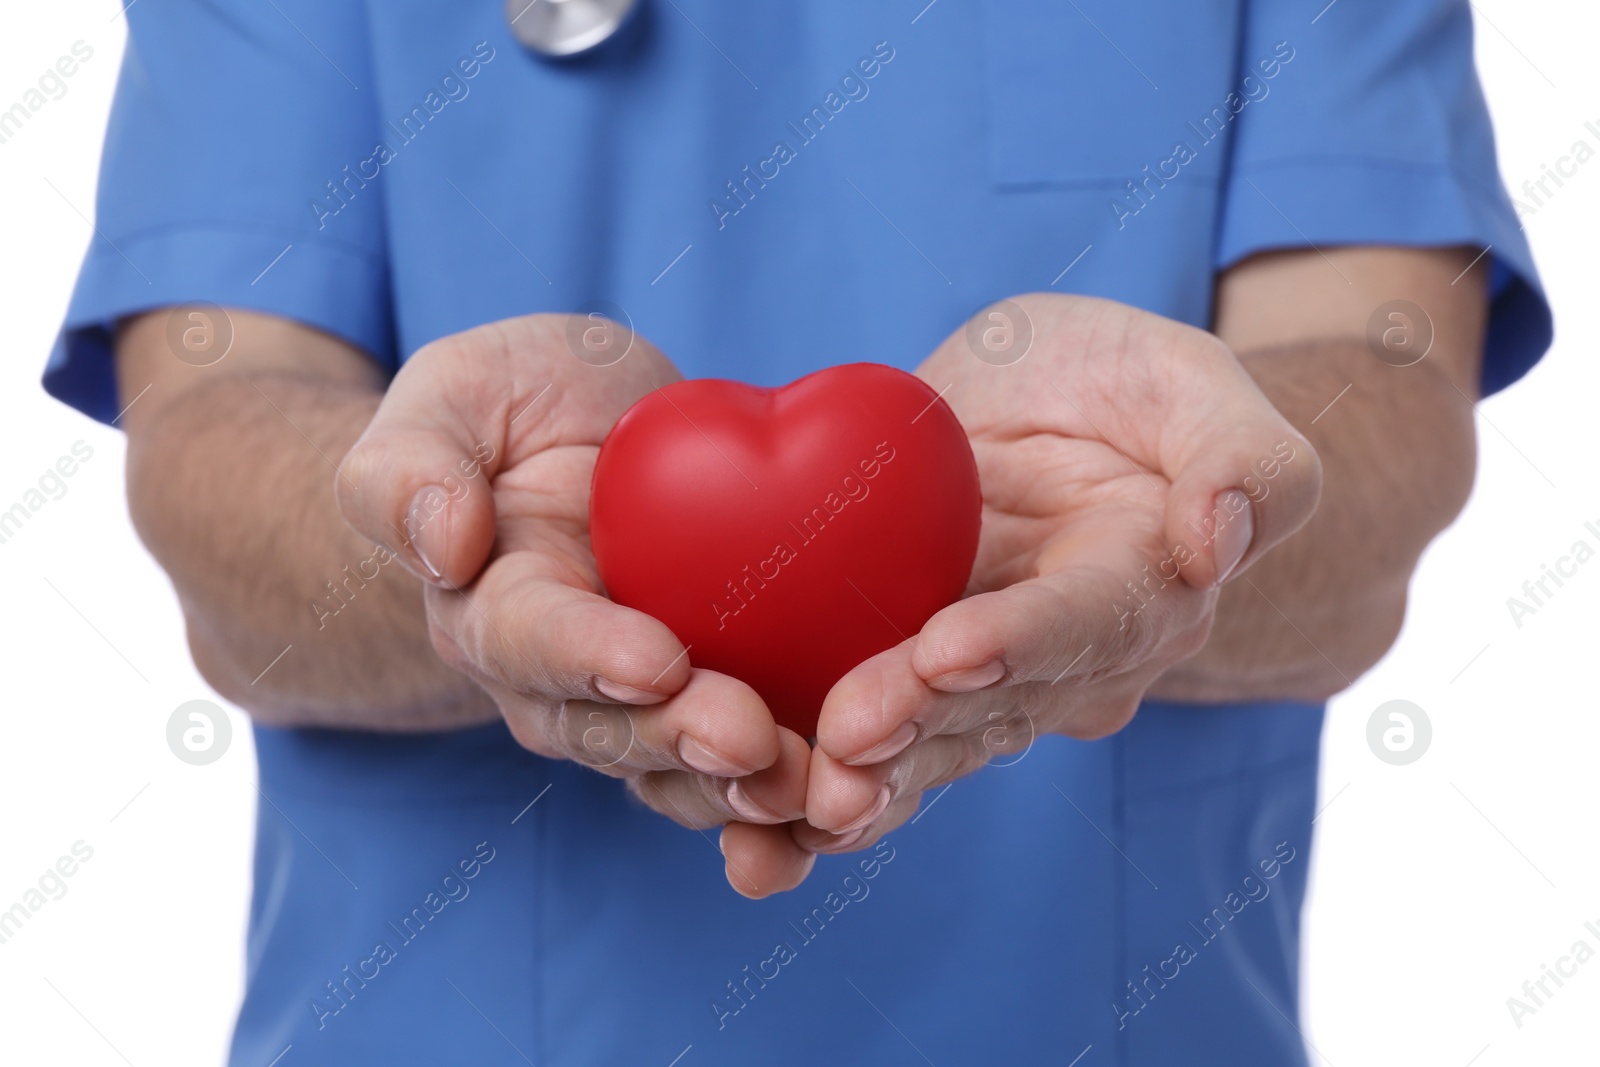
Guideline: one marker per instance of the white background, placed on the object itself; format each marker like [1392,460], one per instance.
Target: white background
[1438,888]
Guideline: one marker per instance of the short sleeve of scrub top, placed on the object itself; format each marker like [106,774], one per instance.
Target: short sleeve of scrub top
[1376,132]
[225,124]
[391,173]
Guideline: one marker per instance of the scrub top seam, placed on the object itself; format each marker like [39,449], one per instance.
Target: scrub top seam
[541,1026]
[1468,182]
[147,233]
[1026,185]
[1119,952]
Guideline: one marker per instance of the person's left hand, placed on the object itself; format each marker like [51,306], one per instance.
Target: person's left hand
[1129,466]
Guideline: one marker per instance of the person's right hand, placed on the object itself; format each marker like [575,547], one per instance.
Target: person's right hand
[475,472]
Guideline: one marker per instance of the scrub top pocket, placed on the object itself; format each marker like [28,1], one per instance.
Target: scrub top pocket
[1060,112]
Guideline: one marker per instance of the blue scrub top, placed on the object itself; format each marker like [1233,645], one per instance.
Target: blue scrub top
[767,189]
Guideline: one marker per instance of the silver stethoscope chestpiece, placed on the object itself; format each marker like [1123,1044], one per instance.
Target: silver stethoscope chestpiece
[559,28]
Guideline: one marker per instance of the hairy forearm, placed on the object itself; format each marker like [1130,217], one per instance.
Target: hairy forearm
[1398,456]
[290,614]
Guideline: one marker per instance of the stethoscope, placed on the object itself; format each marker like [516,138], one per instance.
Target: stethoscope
[561,28]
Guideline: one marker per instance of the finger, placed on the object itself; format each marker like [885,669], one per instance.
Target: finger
[1086,621]
[452,419]
[1179,402]
[776,794]
[418,478]
[885,705]
[814,840]
[526,626]
[842,799]
[762,860]
[969,666]
[1243,479]
[714,726]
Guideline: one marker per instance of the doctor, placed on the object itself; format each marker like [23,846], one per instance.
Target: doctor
[340,248]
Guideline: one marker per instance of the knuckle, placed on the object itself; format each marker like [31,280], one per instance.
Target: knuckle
[357,474]
[447,647]
[1143,633]
[598,736]
[579,737]
[1106,717]
[495,655]
[654,790]
[564,729]
[1194,638]
[527,727]
[971,757]
[1009,732]
[1064,628]
[506,634]
[940,761]
[643,789]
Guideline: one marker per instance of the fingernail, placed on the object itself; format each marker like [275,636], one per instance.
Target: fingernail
[866,818]
[748,809]
[844,841]
[806,864]
[757,895]
[626,694]
[427,545]
[1236,530]
[706,760]
[888,748]
[969,680]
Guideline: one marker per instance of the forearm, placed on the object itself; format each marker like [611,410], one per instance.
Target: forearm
[1398,455]
[290,614]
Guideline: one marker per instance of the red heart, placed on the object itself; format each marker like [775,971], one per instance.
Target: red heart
[786,535]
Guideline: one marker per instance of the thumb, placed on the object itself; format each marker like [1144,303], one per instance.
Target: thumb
[419,479]
[1245,479]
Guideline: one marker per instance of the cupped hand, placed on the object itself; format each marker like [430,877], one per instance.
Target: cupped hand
[1129,466]
[475,473]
